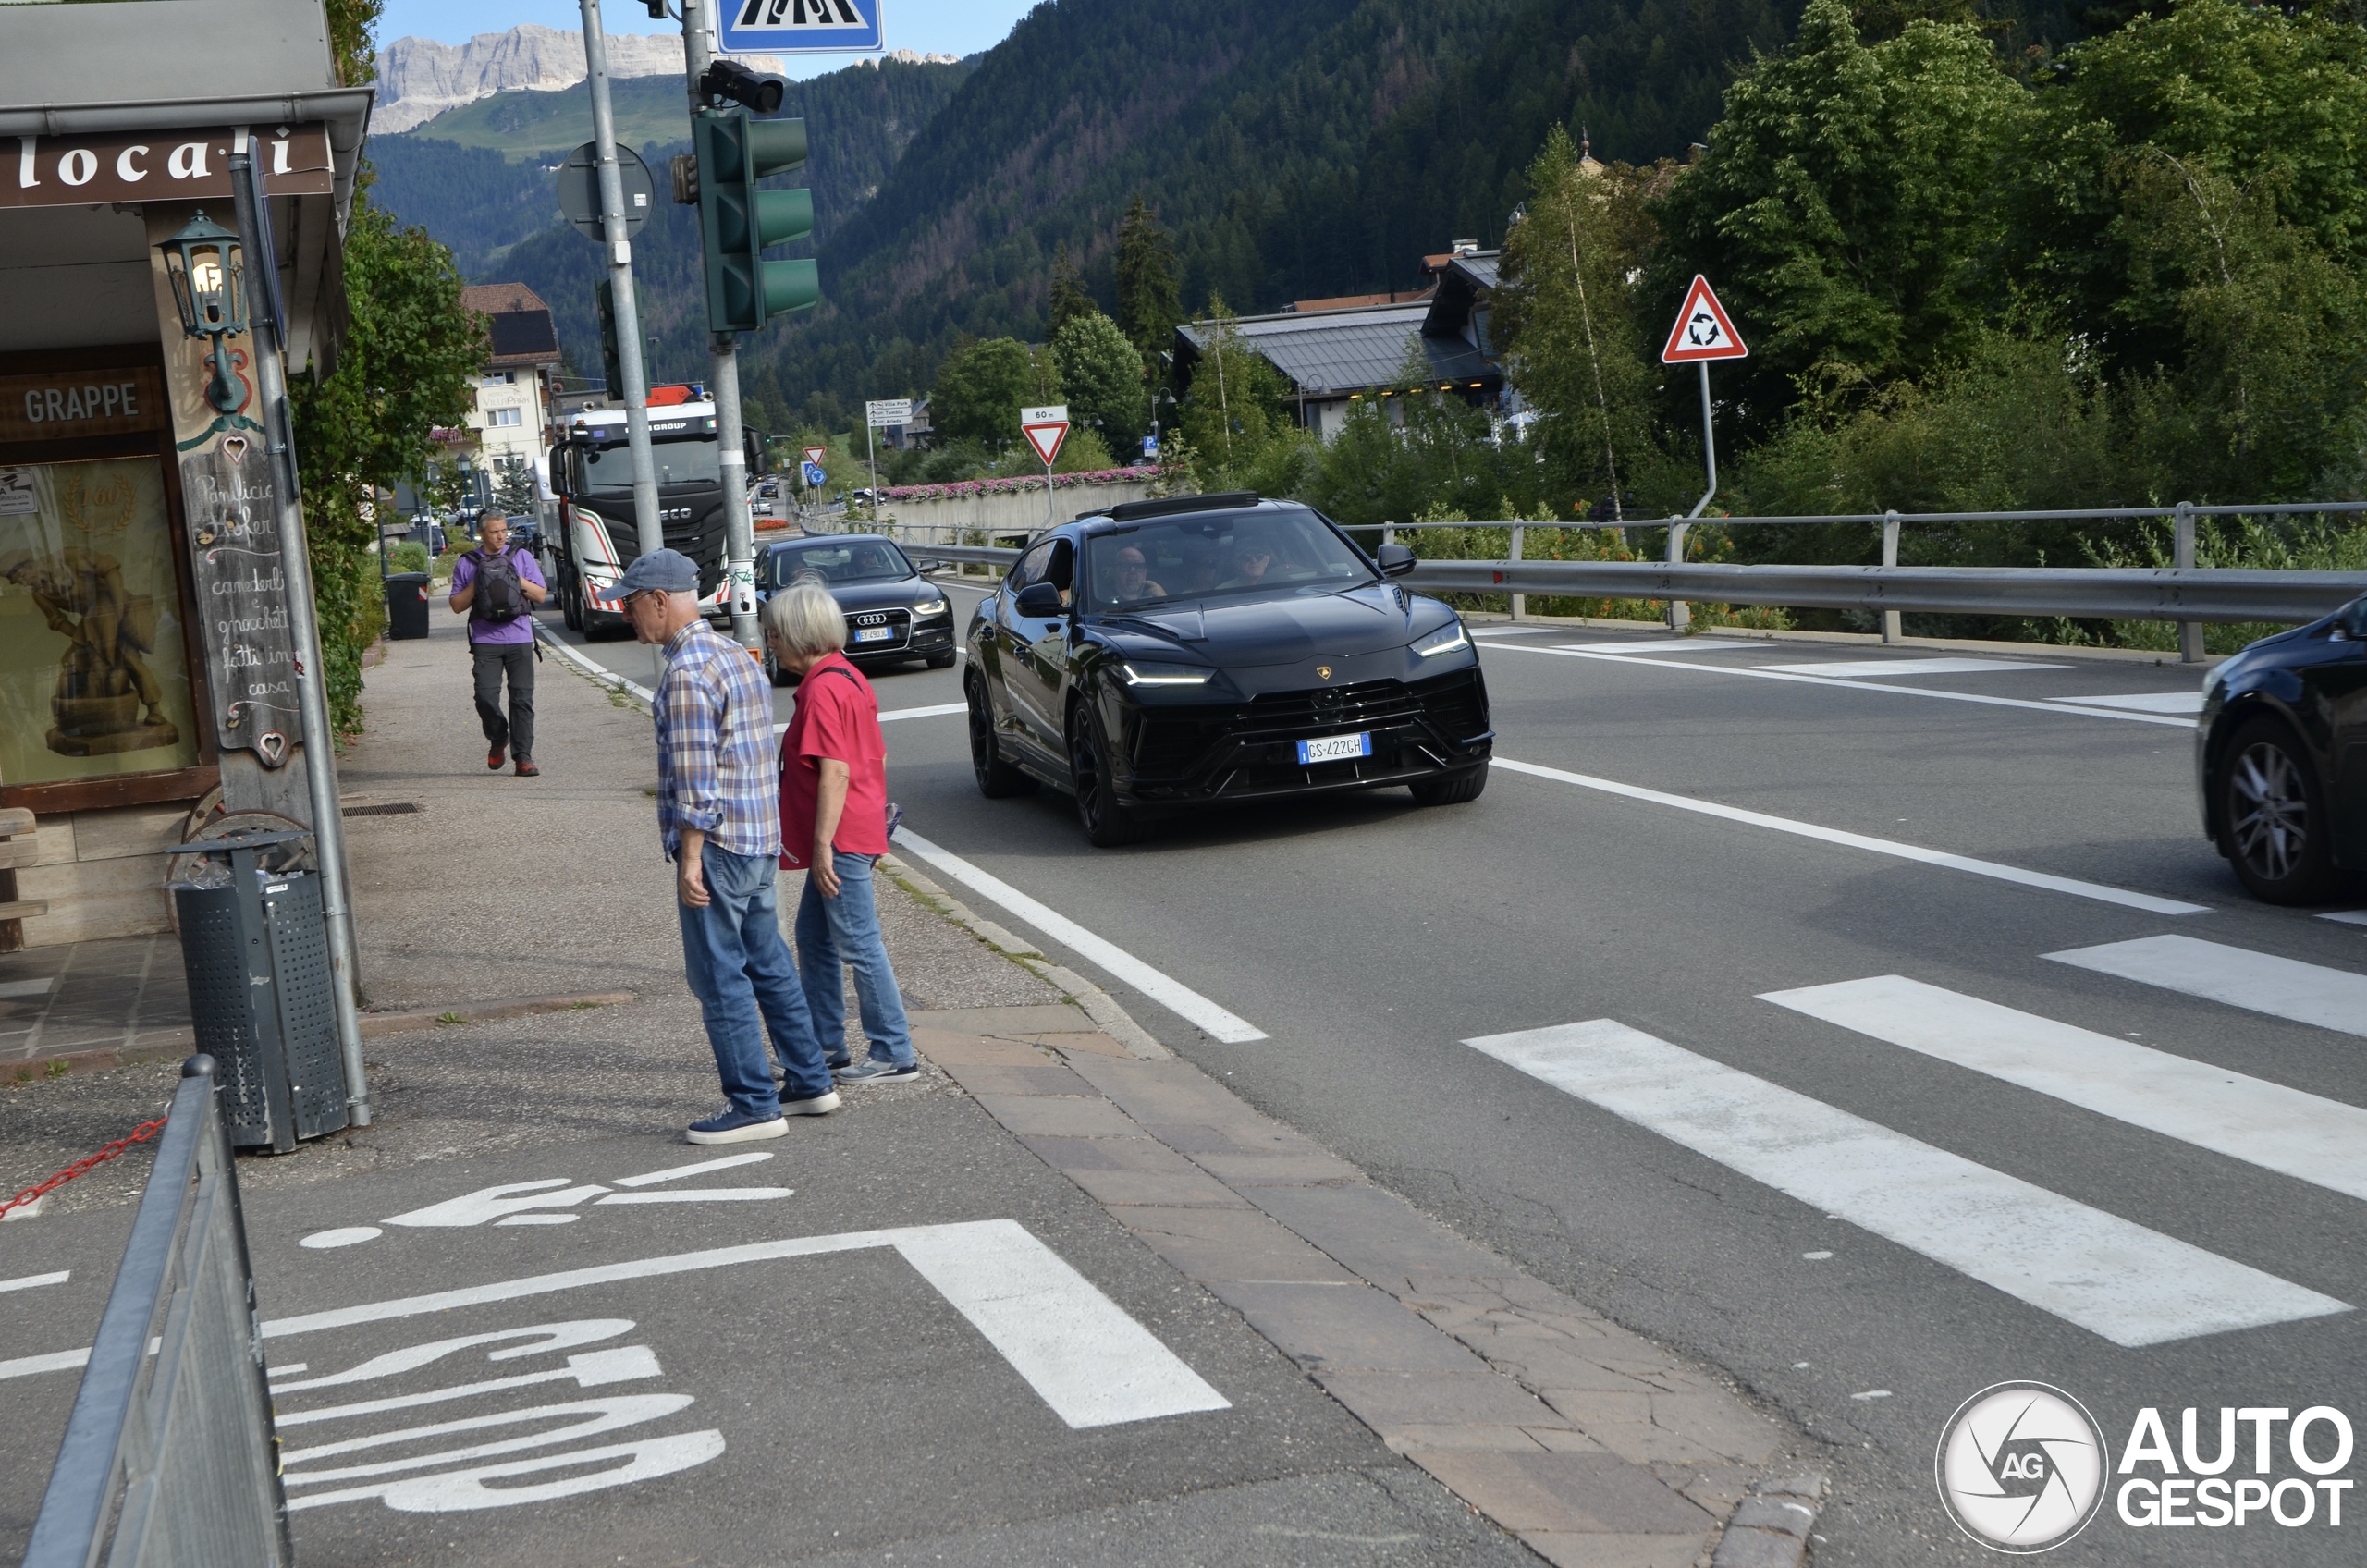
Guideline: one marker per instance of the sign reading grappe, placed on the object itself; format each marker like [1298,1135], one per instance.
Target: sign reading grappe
[240,576]
[159,165]
[59,405]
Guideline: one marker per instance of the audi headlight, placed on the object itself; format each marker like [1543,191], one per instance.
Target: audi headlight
[1445,639]
[933,607]
[1145,672]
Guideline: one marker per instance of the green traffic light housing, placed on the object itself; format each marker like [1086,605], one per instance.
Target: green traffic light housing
[737,221]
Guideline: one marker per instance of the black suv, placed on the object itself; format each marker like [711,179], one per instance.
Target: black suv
[1203,650]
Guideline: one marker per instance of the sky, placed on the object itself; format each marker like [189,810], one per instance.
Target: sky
[947,26]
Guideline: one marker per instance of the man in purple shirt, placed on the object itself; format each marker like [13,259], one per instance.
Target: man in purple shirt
[497,589]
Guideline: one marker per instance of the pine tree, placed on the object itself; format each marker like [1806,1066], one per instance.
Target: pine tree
[1147,301]
[1068,300]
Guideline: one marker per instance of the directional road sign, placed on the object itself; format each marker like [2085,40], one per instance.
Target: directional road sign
[800,27]
[579,189]
[1046,428]
[888,412]
[1703,330]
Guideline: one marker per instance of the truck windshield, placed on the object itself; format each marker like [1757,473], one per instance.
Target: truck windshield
[607,470]
[1219,554]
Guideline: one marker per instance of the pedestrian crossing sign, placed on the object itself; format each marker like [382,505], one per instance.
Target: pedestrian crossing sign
[1703,330]
[800,27]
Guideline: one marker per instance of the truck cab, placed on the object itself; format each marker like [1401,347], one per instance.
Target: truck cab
[596,537]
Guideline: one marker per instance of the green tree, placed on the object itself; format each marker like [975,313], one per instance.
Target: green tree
[1103,377]
[982,387]
[1848,207]
[1149,305]
[1069,298]
[513,486]
[405,367]
[1236,416]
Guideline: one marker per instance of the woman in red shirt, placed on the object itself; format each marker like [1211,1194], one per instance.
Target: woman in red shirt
[834,826]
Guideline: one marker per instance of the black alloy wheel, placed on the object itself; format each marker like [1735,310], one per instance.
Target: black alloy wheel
[571,601]
[2272,819]
[1450,788]
[997,779]
[1106,824]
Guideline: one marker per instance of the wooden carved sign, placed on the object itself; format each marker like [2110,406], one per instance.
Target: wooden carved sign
[239,575]
[161,166]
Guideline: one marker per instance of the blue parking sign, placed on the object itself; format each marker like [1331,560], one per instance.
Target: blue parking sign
[800,27]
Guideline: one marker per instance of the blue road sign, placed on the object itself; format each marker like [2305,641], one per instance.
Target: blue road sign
[1151,446]
[801,27]
[814,477]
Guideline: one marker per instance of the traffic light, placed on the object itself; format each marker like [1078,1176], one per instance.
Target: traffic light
[737,221]
[611,362]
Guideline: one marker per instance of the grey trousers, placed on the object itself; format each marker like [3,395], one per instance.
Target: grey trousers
[517,730]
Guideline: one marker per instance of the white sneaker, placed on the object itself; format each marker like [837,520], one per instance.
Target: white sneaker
[816,1105]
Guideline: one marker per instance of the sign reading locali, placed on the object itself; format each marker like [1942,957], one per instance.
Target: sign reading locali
[60,405]
[161,166]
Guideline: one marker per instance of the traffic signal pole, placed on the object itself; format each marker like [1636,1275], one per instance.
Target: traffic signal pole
[646,522]
[723,350]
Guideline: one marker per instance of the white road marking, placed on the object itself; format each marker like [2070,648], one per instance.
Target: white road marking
[2320,1141]
[1932,693]
[598,672]
[1674,645]
[698,1194]
[463,1490]
[493,1203]
[2107,1275]
[940,710]
[2348,916]
[2281,988]
[343,1236]
[676,1173]
[1080,1352]
[593,1369]
[597,1415]
[10,990]
[34,1281]
[1513,630]
[1858,669]
[1169,992]
[2143,702]
[1991,868]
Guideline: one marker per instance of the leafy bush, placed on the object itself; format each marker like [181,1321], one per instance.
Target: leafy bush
[409,555]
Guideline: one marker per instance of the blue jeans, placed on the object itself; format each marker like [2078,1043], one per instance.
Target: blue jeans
[846,930]
[739,970]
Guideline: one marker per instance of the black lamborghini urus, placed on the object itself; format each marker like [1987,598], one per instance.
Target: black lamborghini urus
[1208,650]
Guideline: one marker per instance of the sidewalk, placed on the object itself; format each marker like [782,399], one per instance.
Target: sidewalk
[1394,1394]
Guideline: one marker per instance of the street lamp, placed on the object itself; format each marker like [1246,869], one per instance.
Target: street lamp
[207,267]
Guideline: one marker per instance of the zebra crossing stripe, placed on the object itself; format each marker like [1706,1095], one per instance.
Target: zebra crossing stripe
[2320,1141]
[2281,988]
[2106,1274]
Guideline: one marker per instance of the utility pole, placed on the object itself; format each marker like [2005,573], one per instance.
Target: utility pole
[723,349]
[311,687]
[647,525]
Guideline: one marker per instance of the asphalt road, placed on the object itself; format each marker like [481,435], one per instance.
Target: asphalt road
[1956,1162]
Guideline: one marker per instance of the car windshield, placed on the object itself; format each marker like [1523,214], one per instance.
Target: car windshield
[1217,556]
[840,560]
[607,470]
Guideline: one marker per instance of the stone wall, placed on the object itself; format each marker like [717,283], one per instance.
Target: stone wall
[1001,513]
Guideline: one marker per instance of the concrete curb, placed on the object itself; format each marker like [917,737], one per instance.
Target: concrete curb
[1594,1446]
[593,672]
[172,1045]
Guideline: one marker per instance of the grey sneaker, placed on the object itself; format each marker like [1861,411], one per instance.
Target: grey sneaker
[877,1073]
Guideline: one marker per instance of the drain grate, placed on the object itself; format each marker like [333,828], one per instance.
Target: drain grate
[392,808]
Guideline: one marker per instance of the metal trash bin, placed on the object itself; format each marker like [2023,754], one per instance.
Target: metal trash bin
[406,604]
[256,948]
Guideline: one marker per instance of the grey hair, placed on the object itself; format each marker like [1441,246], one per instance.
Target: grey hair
[806,619]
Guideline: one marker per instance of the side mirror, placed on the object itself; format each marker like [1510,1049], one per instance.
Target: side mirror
[928,566]
[1038,601]
[1395,560]
[2353,624]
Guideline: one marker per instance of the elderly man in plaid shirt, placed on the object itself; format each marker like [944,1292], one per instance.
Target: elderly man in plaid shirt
[719,809]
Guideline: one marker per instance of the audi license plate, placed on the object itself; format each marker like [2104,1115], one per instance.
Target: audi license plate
[874,633]
[1335,748]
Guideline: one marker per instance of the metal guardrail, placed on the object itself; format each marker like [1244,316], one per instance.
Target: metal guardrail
[170,1457]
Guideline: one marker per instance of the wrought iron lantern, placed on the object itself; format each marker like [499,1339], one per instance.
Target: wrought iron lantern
[207,266]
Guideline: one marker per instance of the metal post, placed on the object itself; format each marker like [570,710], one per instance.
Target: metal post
[311,691]
[2190,631]
[1389,534]
[723,358]
[1709,444]
[1520,601]
[871,456]
[1050,518]
[1891,633]
[1680,615]
[647,525]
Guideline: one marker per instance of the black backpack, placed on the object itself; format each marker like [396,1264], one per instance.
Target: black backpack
[500,596]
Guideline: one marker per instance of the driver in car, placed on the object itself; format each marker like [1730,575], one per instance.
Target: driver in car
[1131,579]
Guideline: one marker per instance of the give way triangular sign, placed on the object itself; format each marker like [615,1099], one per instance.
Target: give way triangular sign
[1046,437]
[1703,330]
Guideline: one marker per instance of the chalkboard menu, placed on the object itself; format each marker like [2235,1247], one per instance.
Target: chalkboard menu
[241,578]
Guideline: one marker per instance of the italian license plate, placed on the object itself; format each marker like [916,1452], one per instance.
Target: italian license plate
[1335,748]
[874,633]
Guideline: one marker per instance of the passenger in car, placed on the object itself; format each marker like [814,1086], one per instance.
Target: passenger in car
[1251,559]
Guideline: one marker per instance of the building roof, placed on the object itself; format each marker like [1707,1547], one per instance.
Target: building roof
[1346,302]
[1348,350]
[520,324]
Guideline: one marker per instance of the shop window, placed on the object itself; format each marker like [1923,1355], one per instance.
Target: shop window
[93,666]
